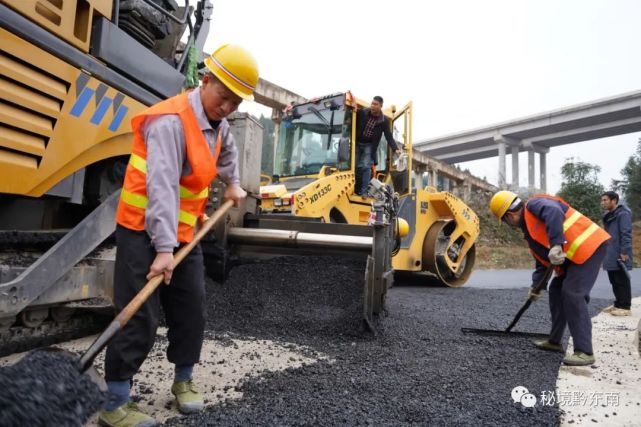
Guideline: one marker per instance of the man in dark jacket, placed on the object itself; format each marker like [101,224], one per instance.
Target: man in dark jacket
[371,124]
[618,223]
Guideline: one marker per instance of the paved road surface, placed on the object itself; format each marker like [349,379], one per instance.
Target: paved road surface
[509,279]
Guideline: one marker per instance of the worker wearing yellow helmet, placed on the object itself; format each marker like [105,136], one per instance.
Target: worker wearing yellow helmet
[180,145]
[559,236]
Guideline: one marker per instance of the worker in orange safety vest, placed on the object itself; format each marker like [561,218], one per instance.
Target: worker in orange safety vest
[559,235]
[180,145]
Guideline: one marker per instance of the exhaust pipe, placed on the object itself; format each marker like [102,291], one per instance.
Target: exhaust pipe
[298,239]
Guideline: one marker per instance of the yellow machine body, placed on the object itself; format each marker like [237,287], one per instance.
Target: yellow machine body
[69,19]
[315,167]
[73,73]
[55,119]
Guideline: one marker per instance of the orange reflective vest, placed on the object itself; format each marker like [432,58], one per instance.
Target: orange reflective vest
[583,237]
[194,188]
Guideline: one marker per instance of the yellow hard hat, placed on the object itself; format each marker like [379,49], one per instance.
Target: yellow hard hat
[501,202]
[403,227]
[236,68]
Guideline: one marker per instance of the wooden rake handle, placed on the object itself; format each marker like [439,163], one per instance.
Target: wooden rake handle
[150,287]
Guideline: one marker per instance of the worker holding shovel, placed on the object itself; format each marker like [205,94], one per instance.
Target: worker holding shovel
[559,235]
[180,146]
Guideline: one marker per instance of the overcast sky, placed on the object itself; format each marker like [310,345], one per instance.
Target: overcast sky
[464,64]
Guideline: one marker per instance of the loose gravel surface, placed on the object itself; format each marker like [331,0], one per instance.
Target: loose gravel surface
[45,389]
[291,297]
[419,368]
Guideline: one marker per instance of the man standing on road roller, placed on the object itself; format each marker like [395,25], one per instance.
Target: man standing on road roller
[180,145]
[558,234]
[371,124]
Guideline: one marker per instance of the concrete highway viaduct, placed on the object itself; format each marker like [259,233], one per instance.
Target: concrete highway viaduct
[611,116]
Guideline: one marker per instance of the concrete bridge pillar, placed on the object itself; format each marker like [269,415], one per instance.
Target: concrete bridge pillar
[455,188]
[467,191]
[461,188]
[501,180]
[418,182]
[515,166]
[543,171]
[530,169]
[417,179]
[276,118]
[533,148]
[503,142]
[434,178]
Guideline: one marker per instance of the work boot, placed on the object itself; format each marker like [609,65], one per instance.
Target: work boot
[609,309]
[188,399]
[621,312]
[549,346]
[126,415]
[579,358]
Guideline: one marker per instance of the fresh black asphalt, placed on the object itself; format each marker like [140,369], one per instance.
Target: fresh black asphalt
[46,389]
[420,369]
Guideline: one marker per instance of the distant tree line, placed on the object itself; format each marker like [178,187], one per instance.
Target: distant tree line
[630,184]
[582,189]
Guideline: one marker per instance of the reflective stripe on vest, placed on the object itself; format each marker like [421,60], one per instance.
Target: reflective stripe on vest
[583,236]
[573,218]
[186,194]
[141,202]
[134,199]
[138,162]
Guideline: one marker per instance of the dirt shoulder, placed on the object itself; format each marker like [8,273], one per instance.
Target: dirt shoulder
[497,248]
[503,257]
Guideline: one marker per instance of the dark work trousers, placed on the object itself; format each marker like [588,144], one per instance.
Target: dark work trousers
[569,297]
[183,302]
[363,167]
[621,288]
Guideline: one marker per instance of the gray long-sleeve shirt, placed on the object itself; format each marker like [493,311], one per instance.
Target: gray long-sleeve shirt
[167,162]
